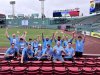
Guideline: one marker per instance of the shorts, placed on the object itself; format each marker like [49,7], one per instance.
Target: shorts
[9,58]
[78,54]
[68,59]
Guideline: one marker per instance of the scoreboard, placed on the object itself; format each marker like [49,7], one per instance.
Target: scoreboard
[69,12]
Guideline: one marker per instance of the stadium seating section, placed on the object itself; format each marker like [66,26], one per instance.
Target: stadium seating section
[80,66]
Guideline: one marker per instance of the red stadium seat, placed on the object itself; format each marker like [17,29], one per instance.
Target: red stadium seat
[68,64]
[1,57]
[97,64]
[82,59]
[19,70]
[14,63]
[97,70]
[79,59]
[33,71]
[79,64]
[4,63]
[6,70]
[97,59]
[25,64]
[58,64]
[87,71]
[76,59]
[90,64]
[28,63]
[46,71]
[60,71]
[90,59]
[37,63]
[73,71]
[47,64]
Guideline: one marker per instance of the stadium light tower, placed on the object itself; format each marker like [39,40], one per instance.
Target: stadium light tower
[13,8]
[42,9]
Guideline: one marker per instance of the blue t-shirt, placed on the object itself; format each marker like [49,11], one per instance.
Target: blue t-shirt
[22,45]
[35,44]
[14,40]
[70,52]
[58,52]
[27,51]
[39,53]
[11,51]
[30,43]
[61,42]
[47,42]
[66,42]
[80,45]
[27,43]
[48,51]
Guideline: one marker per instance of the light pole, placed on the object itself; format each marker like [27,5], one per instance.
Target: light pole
[13,8]
[42,9]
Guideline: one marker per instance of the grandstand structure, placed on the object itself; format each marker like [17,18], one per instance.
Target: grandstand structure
[95,19]
[2,20]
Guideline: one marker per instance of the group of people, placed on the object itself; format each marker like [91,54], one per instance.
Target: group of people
[32,50]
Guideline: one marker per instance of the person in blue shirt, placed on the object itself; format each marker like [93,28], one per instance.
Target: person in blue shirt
[69,52]
[57,52]
[14,39]
[36,43]
[10,53]
[58,38]
[27,54]
[47,53]
[21,45]
[39,52]
[30,42]
[47,40]
[66,40]
[79,46]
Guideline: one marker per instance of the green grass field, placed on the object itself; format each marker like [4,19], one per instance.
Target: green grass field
[31,33]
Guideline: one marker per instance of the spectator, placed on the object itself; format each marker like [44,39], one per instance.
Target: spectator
[11,52]
[66,40]
[58,39]
[79,46]
[21,45]
[57,52]
[35,44]
[27,54]
[39,52]
[46,41]
[69,52]
[12,39]
[47,53]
